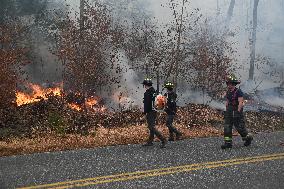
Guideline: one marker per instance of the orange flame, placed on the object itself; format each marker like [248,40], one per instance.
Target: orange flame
[91,104]
[38,93]
[75,106]
[91,101]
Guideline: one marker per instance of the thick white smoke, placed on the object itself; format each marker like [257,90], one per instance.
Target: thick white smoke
[270,43]
[130,93]
[198,97]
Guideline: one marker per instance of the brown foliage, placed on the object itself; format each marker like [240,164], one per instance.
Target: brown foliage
[12,57]
[50,125]
[130,128]
[211,61]
[88,49]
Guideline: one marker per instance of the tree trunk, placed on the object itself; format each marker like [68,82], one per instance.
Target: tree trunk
[158,79]
[178,47]
[146,50]
[253,40]
[171,65]
[81,51]
[227,24]
[218,8]
[230,12]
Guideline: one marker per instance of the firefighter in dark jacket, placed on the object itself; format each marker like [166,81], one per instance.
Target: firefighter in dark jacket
[234,114]
[151,114]
[171,109]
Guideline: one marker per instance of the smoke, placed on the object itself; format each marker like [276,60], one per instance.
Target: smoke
[199,97]
[274,101]
[270,29]
[269,66]
[45,67]
[269,42]
[251,87]
[273,96]
[129,92]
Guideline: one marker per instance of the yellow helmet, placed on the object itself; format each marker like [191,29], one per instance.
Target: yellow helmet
[232,79]
[168,85]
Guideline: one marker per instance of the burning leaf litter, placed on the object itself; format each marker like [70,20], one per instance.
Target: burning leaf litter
[45,121]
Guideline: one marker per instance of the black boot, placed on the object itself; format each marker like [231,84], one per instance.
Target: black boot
[226,145]
[178,136]
[248,140]
[164,142]
[171,138]
[148,144]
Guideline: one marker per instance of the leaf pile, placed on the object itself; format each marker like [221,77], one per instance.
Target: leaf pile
[55,116]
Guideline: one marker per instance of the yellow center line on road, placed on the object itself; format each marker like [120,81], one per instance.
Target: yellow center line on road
[158,172]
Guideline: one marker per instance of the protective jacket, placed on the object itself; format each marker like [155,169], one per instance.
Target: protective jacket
[148,100]
[232,98]
[171,107]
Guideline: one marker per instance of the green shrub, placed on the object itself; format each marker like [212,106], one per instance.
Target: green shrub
[57,122]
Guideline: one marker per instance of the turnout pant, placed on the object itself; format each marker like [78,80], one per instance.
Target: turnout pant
[151,121]
[234,118]
[169,124]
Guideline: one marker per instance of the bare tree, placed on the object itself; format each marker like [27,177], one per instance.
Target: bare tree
[88,47]
[179,23]
[253,40]
[218,8]
[210,64]
[180,30]
[13,56]
[230,12]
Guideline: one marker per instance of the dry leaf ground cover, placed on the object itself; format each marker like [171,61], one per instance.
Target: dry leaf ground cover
[72,130]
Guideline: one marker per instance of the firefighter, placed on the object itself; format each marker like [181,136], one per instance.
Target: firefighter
[171,109]
[234,114]
[151,114]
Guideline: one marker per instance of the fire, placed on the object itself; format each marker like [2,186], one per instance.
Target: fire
[92,104]
[91,101]
[75,106]
[38,93]
[103,109]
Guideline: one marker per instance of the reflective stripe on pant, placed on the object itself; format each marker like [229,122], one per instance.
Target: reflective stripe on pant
[151,121]
[234,118]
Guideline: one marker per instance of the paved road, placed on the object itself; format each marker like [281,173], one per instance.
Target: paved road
[193,163]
